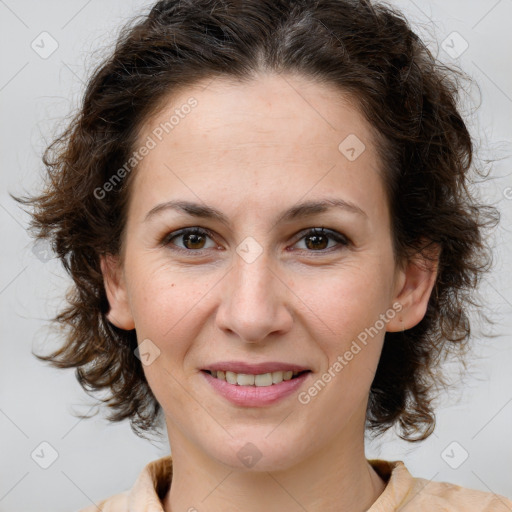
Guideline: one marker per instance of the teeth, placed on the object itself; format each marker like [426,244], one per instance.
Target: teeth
[260,380]
[243,379]
[263,380]
[230,377]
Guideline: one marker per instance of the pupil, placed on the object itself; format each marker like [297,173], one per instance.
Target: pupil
[316,244]
[193,239]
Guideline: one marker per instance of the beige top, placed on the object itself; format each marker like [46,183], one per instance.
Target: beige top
[402,493]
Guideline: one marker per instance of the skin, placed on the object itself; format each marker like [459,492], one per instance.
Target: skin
[252,151]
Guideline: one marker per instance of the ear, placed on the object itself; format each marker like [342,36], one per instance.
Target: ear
[113,279]
[414,286]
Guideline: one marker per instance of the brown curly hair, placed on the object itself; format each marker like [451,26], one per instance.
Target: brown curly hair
[407,96]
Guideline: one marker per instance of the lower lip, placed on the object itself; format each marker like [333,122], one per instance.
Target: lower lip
[255,396]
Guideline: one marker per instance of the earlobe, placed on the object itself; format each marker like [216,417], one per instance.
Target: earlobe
[415,285]
[115,288]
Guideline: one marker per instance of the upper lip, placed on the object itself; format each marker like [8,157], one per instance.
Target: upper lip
[254,369]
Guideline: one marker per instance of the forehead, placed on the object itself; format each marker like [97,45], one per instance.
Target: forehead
[266,104]
[222,135]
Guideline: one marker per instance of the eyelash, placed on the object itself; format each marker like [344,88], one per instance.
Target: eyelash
[334,235]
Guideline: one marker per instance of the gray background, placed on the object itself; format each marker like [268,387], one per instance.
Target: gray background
[96,459]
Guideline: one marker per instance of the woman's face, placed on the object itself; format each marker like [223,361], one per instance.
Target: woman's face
[255,168]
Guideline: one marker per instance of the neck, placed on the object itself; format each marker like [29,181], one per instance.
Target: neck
[335,477]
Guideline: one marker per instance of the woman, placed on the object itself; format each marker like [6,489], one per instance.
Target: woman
[264,209]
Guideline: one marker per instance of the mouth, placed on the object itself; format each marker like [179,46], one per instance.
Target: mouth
[255,380]
[260,385]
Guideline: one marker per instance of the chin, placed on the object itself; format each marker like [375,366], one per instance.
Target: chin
[257,451]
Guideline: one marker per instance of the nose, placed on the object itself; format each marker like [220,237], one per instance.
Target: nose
[255,301]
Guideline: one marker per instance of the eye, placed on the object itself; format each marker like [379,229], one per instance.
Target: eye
[195,239]
[192,239]
[317,240]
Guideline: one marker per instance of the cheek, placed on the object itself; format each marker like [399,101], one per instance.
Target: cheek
[164,299]
[169,309]
[347,326]
[350,336]
[346,300]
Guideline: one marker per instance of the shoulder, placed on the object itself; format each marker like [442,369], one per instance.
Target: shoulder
[146,494]
[405,493]
[116,503]
[450,497]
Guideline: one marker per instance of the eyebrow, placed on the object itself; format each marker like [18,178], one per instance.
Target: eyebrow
[300,210]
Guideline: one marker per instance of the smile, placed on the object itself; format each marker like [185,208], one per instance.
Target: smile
[255,390]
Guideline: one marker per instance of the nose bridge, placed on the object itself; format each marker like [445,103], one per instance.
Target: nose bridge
[254,304]
[253,281]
